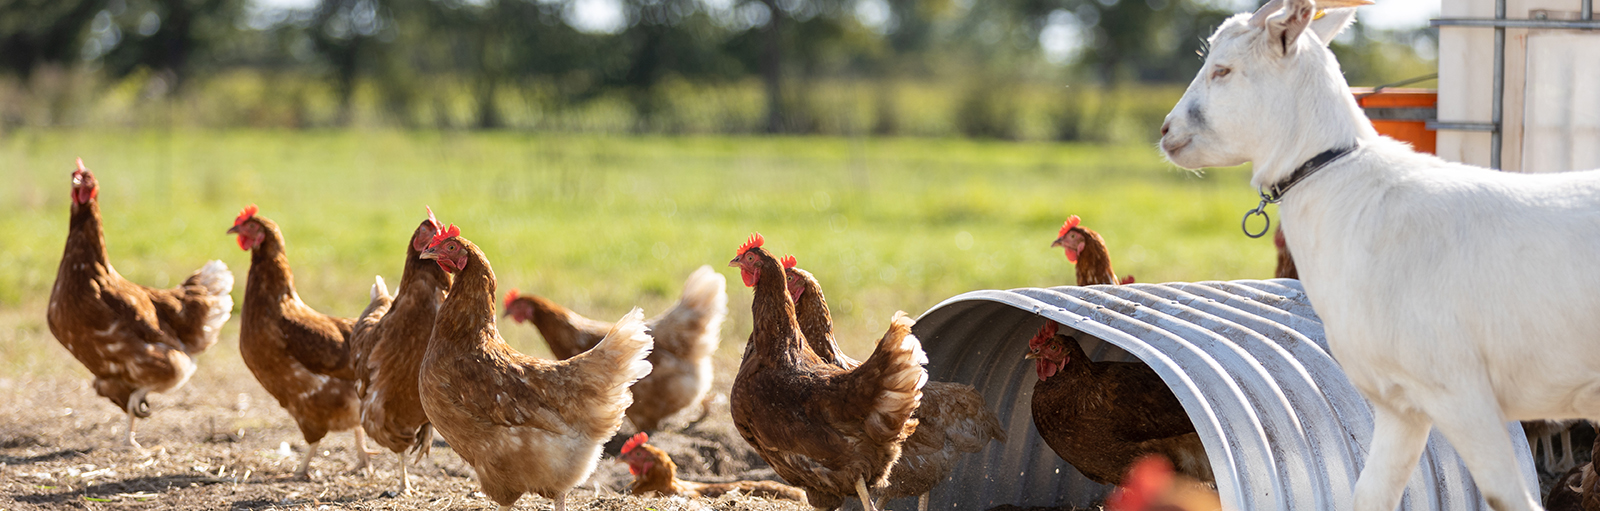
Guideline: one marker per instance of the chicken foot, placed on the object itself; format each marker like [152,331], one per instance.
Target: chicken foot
[133,407]
[405,479]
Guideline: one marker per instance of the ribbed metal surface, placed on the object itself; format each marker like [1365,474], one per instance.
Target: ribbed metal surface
[1282,425]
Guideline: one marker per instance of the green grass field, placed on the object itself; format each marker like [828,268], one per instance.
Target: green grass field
[603,223]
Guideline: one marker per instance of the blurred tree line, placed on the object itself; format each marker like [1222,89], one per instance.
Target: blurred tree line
[487,63]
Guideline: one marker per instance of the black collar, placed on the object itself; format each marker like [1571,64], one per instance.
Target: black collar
[1274,192]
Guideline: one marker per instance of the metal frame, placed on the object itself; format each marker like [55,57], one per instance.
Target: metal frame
[1500,24]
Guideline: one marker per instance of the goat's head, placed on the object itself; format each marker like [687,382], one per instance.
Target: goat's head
[1270,92]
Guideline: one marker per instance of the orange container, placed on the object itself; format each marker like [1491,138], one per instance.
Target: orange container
[1402,114]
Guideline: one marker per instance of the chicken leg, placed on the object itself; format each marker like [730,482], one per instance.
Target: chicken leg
[364,456]
[133,408]
[866,498]
[304,472]
[405,479]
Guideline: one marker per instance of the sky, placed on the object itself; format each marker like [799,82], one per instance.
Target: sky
[606,15]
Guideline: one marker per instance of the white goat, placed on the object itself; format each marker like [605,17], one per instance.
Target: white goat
[1454,296]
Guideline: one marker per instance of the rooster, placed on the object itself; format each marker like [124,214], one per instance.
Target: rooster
[524,424]
[298,354]
[386,347]
[1103,416]
[134,340]
[654,472]
[1086,249]
[831,431]
[685,337]
[952,420]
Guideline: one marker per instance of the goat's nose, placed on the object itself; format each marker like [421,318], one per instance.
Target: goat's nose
[1165,126]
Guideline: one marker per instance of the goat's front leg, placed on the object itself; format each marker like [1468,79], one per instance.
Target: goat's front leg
[1472,422]
[1398,438]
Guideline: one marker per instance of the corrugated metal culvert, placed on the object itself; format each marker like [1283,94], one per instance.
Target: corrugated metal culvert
[1283,427]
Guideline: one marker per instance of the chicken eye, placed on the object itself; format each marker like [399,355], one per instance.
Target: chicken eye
[1220,72]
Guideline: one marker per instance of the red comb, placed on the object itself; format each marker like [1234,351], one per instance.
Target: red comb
[511,296]
[634,442]
[448,233]
[1046,332]
[755,241]
[245,214]
[1072,221]
[788,261]
[436,225]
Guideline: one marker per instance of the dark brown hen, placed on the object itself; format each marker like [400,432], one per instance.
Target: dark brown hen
[1103,416]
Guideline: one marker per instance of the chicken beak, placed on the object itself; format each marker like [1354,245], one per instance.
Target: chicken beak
[233,230]
[1057,242]
[734,263]
[1031,355]
[428,254]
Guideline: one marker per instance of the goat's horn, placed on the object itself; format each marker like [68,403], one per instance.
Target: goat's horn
[1266,11]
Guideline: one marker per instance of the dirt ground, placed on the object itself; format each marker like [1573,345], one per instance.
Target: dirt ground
[221,442]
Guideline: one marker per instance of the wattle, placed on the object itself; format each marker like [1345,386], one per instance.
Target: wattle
[1046,368]
[1072,256]
[748,277]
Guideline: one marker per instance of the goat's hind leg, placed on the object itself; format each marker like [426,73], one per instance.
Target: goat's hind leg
[1474,425]
[1398,438]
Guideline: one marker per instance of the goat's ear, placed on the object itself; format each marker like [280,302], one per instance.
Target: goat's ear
[1283,29]
[1330,24]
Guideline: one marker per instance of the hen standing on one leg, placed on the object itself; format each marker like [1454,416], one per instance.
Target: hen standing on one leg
[685,337]
[952,420]
[1103,416]
[134,340]
[1086,249]
[524,424]
[298,354]
[386,351]
[830,431]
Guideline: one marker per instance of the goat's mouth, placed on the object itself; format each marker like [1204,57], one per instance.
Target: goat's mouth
[1174,145]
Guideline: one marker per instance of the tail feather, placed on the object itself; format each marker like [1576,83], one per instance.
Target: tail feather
[363,334]
[218,283]
[692,328]
[897,362]
[618,361]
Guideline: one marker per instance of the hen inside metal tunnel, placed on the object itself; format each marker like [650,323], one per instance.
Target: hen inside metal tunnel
[1282,425]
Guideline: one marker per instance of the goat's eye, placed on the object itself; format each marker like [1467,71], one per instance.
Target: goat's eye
[1220,72]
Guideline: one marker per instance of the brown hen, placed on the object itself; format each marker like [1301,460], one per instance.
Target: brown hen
[299,355]
[134,340]
[524,424]
[386,348]
[1086,249]
[952,420]
[1103,416]
[831,431]
[655,473]
[685,337]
